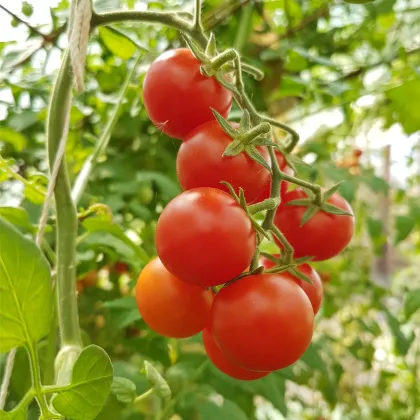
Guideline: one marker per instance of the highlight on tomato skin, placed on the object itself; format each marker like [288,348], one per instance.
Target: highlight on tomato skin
[170,306]
[223,364]
[178,98]
[314,291]
[262,322]
[324,236]
[204,237]
[209,141]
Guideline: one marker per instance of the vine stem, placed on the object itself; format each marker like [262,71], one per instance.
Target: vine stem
[171,19]
[197,16]
[6,377]
[66,215]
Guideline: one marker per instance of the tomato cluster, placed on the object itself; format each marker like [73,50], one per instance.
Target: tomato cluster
[262,321]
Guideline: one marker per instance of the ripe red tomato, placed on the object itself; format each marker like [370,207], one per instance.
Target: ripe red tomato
[226,366]
[324,236]
[178,97]
[170,306]
[121,267]
[200,163]
[204,237]
[284,186]
[314,291]
[262,322]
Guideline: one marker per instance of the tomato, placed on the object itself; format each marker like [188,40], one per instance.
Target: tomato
[204,237]
[262,322]
[121,267]
[178,97]
[170,306]
[314,291]
[325,277]
[200,163]
[284,186]
[324,236]
[226,366]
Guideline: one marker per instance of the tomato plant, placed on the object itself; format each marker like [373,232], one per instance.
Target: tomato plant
[324,236]
[200,163]
[262,322]
[204,237]
[225,365]
[314,291]
[284,186]
[178,97]
[170,306]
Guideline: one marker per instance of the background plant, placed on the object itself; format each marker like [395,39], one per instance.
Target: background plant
[361,62]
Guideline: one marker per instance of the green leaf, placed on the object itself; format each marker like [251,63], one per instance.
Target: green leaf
[273,389]
[124,390]
[155,378]
[226,409]
[20,414]
[90,385]
[374,227]
[24,120]
[411,303]
[403,226]
[312,358]
[16,139]
[17,217]
[402,343]
[402,101]
[376,183]
[25,290]
[124,311]
[104,232]
[117,43]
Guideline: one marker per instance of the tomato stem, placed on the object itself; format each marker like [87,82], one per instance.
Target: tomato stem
[171,19]
[197,16]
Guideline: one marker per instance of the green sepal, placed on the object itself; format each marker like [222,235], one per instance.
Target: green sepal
[309,213]
[234,148]
[300,202]
[270,257]
[211,49]
[329,208]
[242,200]
[245,123]
[328,193]
[303,260]
[262,141]
[226,127]
[195,49]
[231,190]
[293,161]
[253,153]
[229,86]
[295,272]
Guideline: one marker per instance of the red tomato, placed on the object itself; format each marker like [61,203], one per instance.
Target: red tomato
[204,237]
[226,366]
[200,163]
[284,186]
[324,236]
[314,291]
[170,306]
[121,267]
[262,322]
[178,97]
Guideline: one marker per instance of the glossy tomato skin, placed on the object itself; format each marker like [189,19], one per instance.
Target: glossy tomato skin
[262,322]
[324,236]
[178,97]
[223,364]
[284,185]
[200,163]
[170,306]
[204,237]
[314,291]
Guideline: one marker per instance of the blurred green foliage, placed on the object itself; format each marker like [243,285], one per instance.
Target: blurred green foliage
[318,57]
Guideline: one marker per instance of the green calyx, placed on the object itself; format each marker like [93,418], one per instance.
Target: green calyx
[246,139]
[317,202]
[285,264]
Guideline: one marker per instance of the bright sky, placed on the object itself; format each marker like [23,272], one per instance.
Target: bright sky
[376,137]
